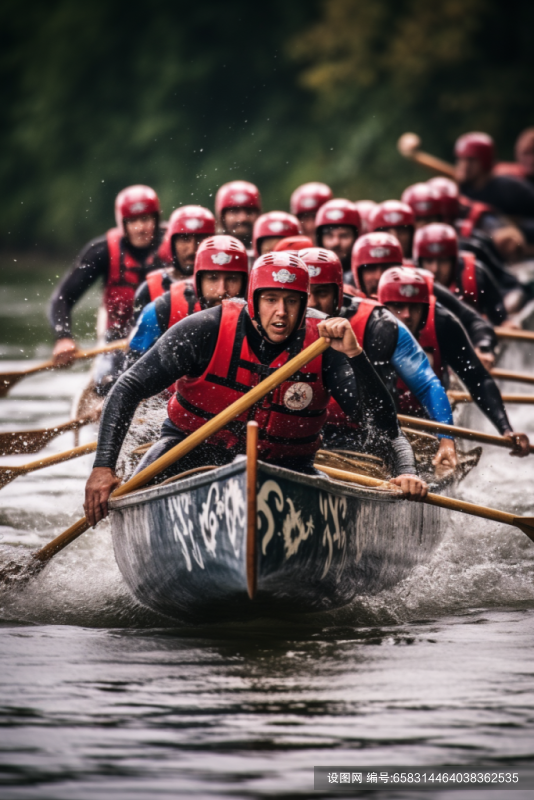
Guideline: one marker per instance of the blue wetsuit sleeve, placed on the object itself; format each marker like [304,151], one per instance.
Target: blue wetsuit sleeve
[413,367]
[147,330]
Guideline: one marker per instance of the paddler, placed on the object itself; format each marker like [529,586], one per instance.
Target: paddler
[337,226]
[122,259]
[389,345]
[406,293]
[374,253]
[475,158]
[217,355]
[476,239]
[524,153]
[436,249]
[306,201]
[221,272]
[270,228]
[237,207]
[396,218]
[188,226]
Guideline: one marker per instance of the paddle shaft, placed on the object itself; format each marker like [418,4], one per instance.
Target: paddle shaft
[454,430]
[9,379]
[465,397]
[80,355]
[520,336]
[425,159]
[210,428]
[506,375]
[59,458]
[431,499]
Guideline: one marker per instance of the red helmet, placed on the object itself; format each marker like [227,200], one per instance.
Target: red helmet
[435,241]
[374,248]
[324,267]
[237,194]
[278,271]
[275,223]
[185,220]
[294,243]
[337,212]
[423,200]
[403,285]
[134,201]
[391,214]
[309,198]
[365,209]
[220,253]
[476,145]
[448,195]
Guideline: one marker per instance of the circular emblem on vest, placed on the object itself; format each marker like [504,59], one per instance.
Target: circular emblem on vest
[138,207]
[277,226]
[435,247]
[239,197]
[193,224]
[380,252]
[221,258]
[308,202]
[314,271]
[392,217]
[409,290]
[298,396]
[334,214]
[284,276]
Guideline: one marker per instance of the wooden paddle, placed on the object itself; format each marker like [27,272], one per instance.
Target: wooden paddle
[17,442]
[454,430]
[8,474]
[465,397]
[509,333]
[408,146]
[9,379]
[525,524]
[506,375]
[193,440]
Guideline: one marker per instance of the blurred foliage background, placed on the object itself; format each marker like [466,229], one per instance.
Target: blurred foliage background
[185,96]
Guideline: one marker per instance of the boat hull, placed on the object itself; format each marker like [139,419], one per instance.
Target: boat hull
[182,548]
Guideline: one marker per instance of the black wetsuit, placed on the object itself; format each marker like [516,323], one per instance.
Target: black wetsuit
[457,352]
[510,196]
[142,296]
[187,348]
[91,265]
[490,299]
[485,251]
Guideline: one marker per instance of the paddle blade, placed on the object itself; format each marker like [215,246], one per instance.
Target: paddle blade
[8,474]
[17,566]
[525,524]
[16,442]
[8,380]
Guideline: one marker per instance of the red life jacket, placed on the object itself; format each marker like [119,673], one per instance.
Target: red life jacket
[468,289]
[428,340]
[290,418]
[358,321]
[124,276]
[155,283]
[184,301]
[475,213]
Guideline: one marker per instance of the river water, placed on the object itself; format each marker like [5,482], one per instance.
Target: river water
[99,697]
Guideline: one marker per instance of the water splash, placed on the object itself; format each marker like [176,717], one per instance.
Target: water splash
[17,566]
